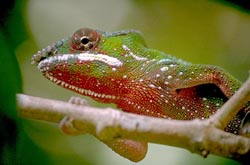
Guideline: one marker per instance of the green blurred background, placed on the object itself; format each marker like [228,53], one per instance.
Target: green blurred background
[206,32]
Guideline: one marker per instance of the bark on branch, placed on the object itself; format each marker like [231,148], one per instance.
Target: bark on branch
[198,136]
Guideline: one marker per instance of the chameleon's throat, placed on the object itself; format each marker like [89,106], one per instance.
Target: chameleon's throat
[79,90]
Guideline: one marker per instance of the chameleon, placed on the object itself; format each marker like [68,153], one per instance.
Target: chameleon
[118,67]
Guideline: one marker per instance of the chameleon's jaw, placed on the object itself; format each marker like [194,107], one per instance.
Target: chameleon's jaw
[82,91]
[60,68]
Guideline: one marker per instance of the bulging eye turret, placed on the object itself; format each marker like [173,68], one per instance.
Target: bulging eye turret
[84,39]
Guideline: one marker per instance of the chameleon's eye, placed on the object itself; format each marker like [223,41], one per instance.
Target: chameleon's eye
[84,39]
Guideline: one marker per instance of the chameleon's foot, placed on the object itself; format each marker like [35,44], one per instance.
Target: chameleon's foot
[245,126]
[132,150]
[78,101]
[67,126]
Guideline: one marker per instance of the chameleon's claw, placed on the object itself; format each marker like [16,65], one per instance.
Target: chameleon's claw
[67,126]
[78,101]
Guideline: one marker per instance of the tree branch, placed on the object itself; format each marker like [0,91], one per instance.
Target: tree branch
[198,136]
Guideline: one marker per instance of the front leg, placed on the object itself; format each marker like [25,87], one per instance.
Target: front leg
[132,150]
[194,75]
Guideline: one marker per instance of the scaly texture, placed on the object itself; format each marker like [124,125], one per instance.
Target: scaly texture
[118,67]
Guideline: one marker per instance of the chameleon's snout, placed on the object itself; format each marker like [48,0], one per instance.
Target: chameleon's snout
[43,54]
[47,52]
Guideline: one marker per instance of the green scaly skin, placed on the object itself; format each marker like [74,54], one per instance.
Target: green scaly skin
[118,67]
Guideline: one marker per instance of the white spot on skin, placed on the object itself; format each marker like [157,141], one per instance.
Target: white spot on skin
[172,65]
[124,76]
[157,75]
[166,82]
[170,77]
[151,85]
[163,69]
[180,73]
[132,54]
[165,60]
[113,69]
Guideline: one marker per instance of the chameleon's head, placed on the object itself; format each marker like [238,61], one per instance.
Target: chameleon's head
[93,63]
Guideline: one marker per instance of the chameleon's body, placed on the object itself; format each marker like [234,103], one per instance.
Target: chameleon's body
[119,68]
